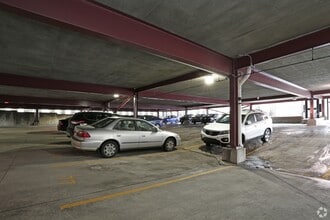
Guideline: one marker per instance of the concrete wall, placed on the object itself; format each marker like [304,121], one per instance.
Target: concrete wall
[290,119]
[13,118]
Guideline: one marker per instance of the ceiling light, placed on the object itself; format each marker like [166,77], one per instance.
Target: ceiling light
[115,95]
[209,80]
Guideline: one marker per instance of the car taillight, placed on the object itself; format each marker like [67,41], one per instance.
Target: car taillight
[83,134]
[77,122]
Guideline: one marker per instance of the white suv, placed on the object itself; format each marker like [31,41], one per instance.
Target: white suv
[254,124]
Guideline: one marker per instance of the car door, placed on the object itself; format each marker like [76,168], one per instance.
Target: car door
[149,135]
[126,134]
[261,123]
[250,127]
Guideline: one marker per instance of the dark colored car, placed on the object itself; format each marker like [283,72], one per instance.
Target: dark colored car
[85,118]
[158,122]
[63,124]
[197,118]
[186,119]
[209,118]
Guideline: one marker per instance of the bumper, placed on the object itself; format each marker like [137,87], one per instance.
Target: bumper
[219,139]
[85,145]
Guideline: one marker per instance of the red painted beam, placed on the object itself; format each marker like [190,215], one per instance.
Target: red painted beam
[275,83]
[42,83]
[188,76]
[178,97]
[305,42]
[273,101]
[269,98]
[10,99]
[321,92]
[103,21]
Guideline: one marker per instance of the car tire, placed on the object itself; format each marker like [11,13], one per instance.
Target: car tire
[266,136]
[109,149]
[169,144]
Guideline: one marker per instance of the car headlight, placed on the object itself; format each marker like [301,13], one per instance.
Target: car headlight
[224,132]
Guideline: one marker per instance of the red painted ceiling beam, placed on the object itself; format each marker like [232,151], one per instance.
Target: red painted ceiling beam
[321,92]
[47,101]
[184,98]
[274,101]
[188,76]
[42,83]
[275,83]
[103,21]
[305,42]
[268,98]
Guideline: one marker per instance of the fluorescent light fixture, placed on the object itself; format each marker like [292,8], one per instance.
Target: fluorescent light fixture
[209,80]
[116,95]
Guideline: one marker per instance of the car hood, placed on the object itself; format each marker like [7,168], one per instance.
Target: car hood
[217,127]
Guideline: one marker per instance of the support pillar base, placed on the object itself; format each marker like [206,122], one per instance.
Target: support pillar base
[233,155]
[311,122]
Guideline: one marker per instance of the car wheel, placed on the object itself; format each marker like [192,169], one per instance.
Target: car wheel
[169,144]
[109,149]
[266,136]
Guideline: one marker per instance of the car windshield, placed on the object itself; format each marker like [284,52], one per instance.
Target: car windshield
[103,123]
[225,119]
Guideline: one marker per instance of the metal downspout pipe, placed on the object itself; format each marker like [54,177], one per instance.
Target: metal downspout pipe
[241,80]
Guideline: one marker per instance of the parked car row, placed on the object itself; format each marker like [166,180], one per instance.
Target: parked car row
[109,133]
[199,118]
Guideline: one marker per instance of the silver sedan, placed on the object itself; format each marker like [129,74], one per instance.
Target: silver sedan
[113,134]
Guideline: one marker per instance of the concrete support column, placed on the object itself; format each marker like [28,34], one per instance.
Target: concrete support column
[135,104]
[323,108]
[327,109]
[36,117]
[185,110]
[311,121]
[306,108]
[158,113]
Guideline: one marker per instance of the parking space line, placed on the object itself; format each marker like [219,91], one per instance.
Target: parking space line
[139,189]
[70,180]
[326,175]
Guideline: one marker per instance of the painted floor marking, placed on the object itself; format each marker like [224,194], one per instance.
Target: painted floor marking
[136,190]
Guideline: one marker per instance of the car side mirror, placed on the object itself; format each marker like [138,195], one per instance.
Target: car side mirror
[248,122]
[154,129]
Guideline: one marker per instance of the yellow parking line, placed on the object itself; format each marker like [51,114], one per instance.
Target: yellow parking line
[136,190]
[193,146]
[326,175]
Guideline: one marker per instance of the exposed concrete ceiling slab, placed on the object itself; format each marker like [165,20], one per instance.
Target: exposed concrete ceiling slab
[309,69]
[47,51]
[38,49]
[231,27]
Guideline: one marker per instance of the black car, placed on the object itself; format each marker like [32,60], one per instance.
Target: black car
[186,119]
[197,118]
[82,118]
[63,124]
[209,118]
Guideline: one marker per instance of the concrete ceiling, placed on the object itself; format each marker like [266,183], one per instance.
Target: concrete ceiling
[39,48]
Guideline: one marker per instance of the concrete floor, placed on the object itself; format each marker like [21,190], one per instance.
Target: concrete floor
[42,177]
